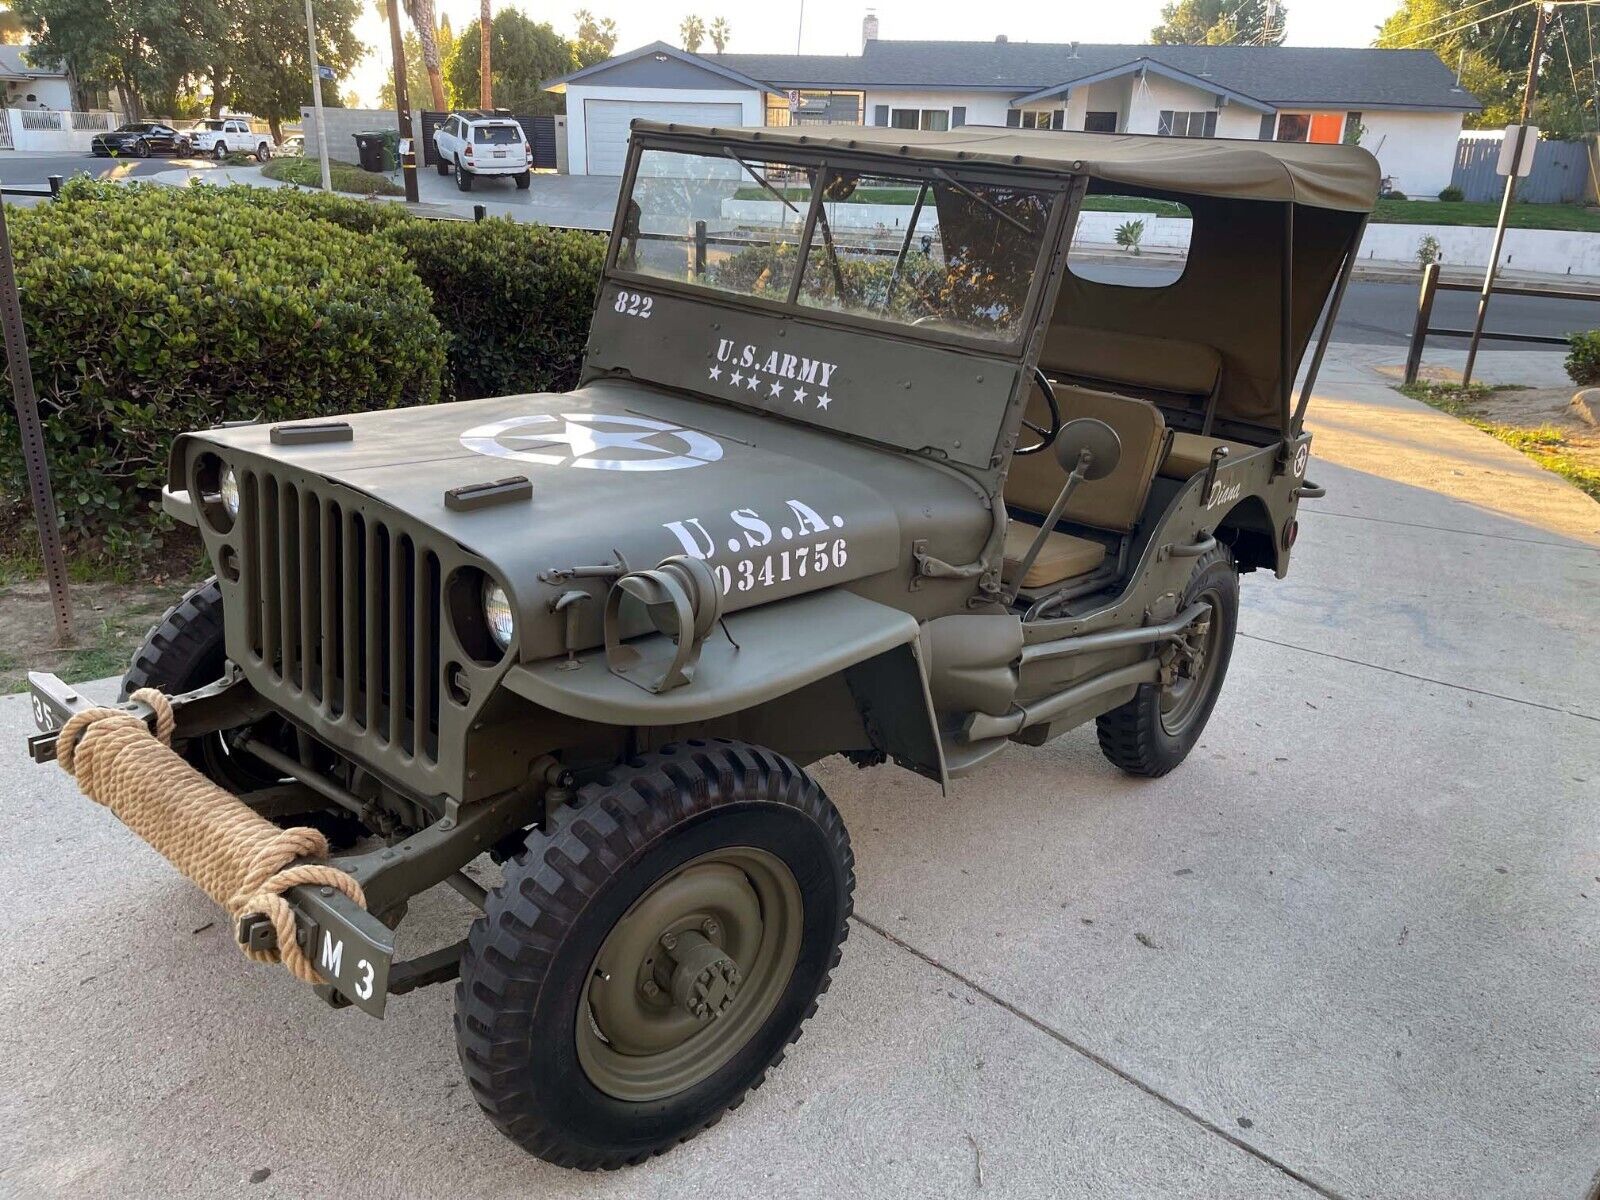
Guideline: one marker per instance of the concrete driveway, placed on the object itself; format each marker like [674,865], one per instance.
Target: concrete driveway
[1348,949]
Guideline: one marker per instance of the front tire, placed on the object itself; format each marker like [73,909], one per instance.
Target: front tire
[441,166]
[652,954]
[262,152]
[1154,732]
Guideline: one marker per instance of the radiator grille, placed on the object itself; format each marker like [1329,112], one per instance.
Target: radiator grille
[343,610]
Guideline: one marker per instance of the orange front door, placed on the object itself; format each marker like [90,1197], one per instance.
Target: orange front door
[1326,127]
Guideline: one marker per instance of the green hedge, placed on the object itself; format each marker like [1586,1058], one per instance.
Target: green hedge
[1583,360]
[152,310]
[164,310]
[517,299]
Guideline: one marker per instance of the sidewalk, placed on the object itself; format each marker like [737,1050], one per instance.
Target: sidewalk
[1349,949]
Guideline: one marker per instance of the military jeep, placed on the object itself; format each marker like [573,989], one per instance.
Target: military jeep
[859,464]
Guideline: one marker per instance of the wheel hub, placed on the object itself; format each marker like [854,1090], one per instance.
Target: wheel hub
[689,973]
[706,981]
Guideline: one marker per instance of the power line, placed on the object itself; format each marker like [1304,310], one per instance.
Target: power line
[1466,24]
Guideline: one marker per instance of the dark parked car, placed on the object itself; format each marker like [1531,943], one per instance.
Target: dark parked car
[139,139]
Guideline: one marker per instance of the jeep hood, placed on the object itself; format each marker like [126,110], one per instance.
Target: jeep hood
[617,467]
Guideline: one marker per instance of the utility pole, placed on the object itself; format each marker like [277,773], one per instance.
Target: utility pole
[402,101]
[485,81]
[1540,14]
[316,99]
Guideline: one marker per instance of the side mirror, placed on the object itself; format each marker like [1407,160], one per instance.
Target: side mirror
[1098,438]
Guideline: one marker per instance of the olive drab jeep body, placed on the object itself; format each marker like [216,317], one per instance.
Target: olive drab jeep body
[912,493]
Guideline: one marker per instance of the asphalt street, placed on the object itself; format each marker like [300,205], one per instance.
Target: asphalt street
[1348,949]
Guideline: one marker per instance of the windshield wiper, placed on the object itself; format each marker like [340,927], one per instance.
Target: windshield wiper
[995,209]
[748,170]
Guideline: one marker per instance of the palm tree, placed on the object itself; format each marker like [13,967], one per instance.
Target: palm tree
[693,32]
[720,33]
[422,19]
[485,28]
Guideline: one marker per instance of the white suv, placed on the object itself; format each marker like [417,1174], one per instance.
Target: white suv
[483,143]
[217,136]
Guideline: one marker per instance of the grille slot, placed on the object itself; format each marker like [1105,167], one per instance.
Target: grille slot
[343,611]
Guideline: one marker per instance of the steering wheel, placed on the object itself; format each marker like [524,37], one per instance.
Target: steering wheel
[1046,436]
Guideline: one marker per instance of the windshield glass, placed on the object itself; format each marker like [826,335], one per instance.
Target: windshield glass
[137,127]
[497,135]
[206,125]
[934,252]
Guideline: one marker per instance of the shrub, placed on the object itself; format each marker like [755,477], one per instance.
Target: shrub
[155,310]
[517,299]
[1129,234]
[307,172]
[1452,194]
[1583,360]
[1428,249]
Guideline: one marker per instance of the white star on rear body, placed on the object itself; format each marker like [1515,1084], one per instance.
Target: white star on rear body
[777,389]
[824,400]
[752,383]
[800,395]
[736,378]
[716,372]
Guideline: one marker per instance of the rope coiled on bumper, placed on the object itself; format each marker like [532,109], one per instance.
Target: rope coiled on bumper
[239,858]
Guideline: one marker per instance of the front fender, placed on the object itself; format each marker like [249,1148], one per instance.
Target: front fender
[763,654]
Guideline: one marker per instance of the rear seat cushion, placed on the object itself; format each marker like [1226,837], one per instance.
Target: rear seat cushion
[1061,557]
[1114,503]
[1191,454]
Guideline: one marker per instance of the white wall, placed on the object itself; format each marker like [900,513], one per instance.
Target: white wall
[63,138]
[46,93]
[983,108]
[1417,149]
[343,124]
[577,143]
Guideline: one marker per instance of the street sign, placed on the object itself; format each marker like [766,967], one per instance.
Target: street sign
[326,73]
[1508,149]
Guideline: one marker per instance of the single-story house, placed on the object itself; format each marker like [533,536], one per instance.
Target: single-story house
[33,85]
[1404,105]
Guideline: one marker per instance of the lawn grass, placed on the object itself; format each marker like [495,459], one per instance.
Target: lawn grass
[1546,445]
[346,178]
[1462,212]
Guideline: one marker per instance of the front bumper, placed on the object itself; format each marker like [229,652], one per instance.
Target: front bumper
[351,948]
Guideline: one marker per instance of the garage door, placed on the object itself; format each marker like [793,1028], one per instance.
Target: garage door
[605,125]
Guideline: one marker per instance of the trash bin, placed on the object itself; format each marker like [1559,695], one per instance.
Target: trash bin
[376,149]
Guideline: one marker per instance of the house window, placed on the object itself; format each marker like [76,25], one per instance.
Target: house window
[1324,127]
[935,119]
[1201,123]
[1100,122]
[816,108]
[1036,118]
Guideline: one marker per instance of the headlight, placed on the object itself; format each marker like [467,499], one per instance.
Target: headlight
[228,488]
[497,612]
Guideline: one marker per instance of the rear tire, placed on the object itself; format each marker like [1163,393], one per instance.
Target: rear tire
[523,180]
[649,843]
[141,149]
[463,177]
[1154,732]
[219,151]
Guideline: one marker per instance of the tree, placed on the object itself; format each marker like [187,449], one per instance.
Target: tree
[421,14]
[411,47]
[485,57]
[693,31]
[138,47]
[720,33]
[424,49]
[524,55]
[269,70]
[1489,43]
[596,41]
[1221,23]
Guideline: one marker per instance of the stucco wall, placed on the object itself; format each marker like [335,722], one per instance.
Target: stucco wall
[1417,149]
[983,108]
[46,93]
[577,144]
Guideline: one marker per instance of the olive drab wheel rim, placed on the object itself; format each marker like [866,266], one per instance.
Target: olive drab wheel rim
[689,974]
[1184,699]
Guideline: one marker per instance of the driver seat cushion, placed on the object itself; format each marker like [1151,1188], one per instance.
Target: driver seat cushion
[1114,503]
[1062,556]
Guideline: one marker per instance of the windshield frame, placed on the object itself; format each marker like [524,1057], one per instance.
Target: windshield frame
[1057,187]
